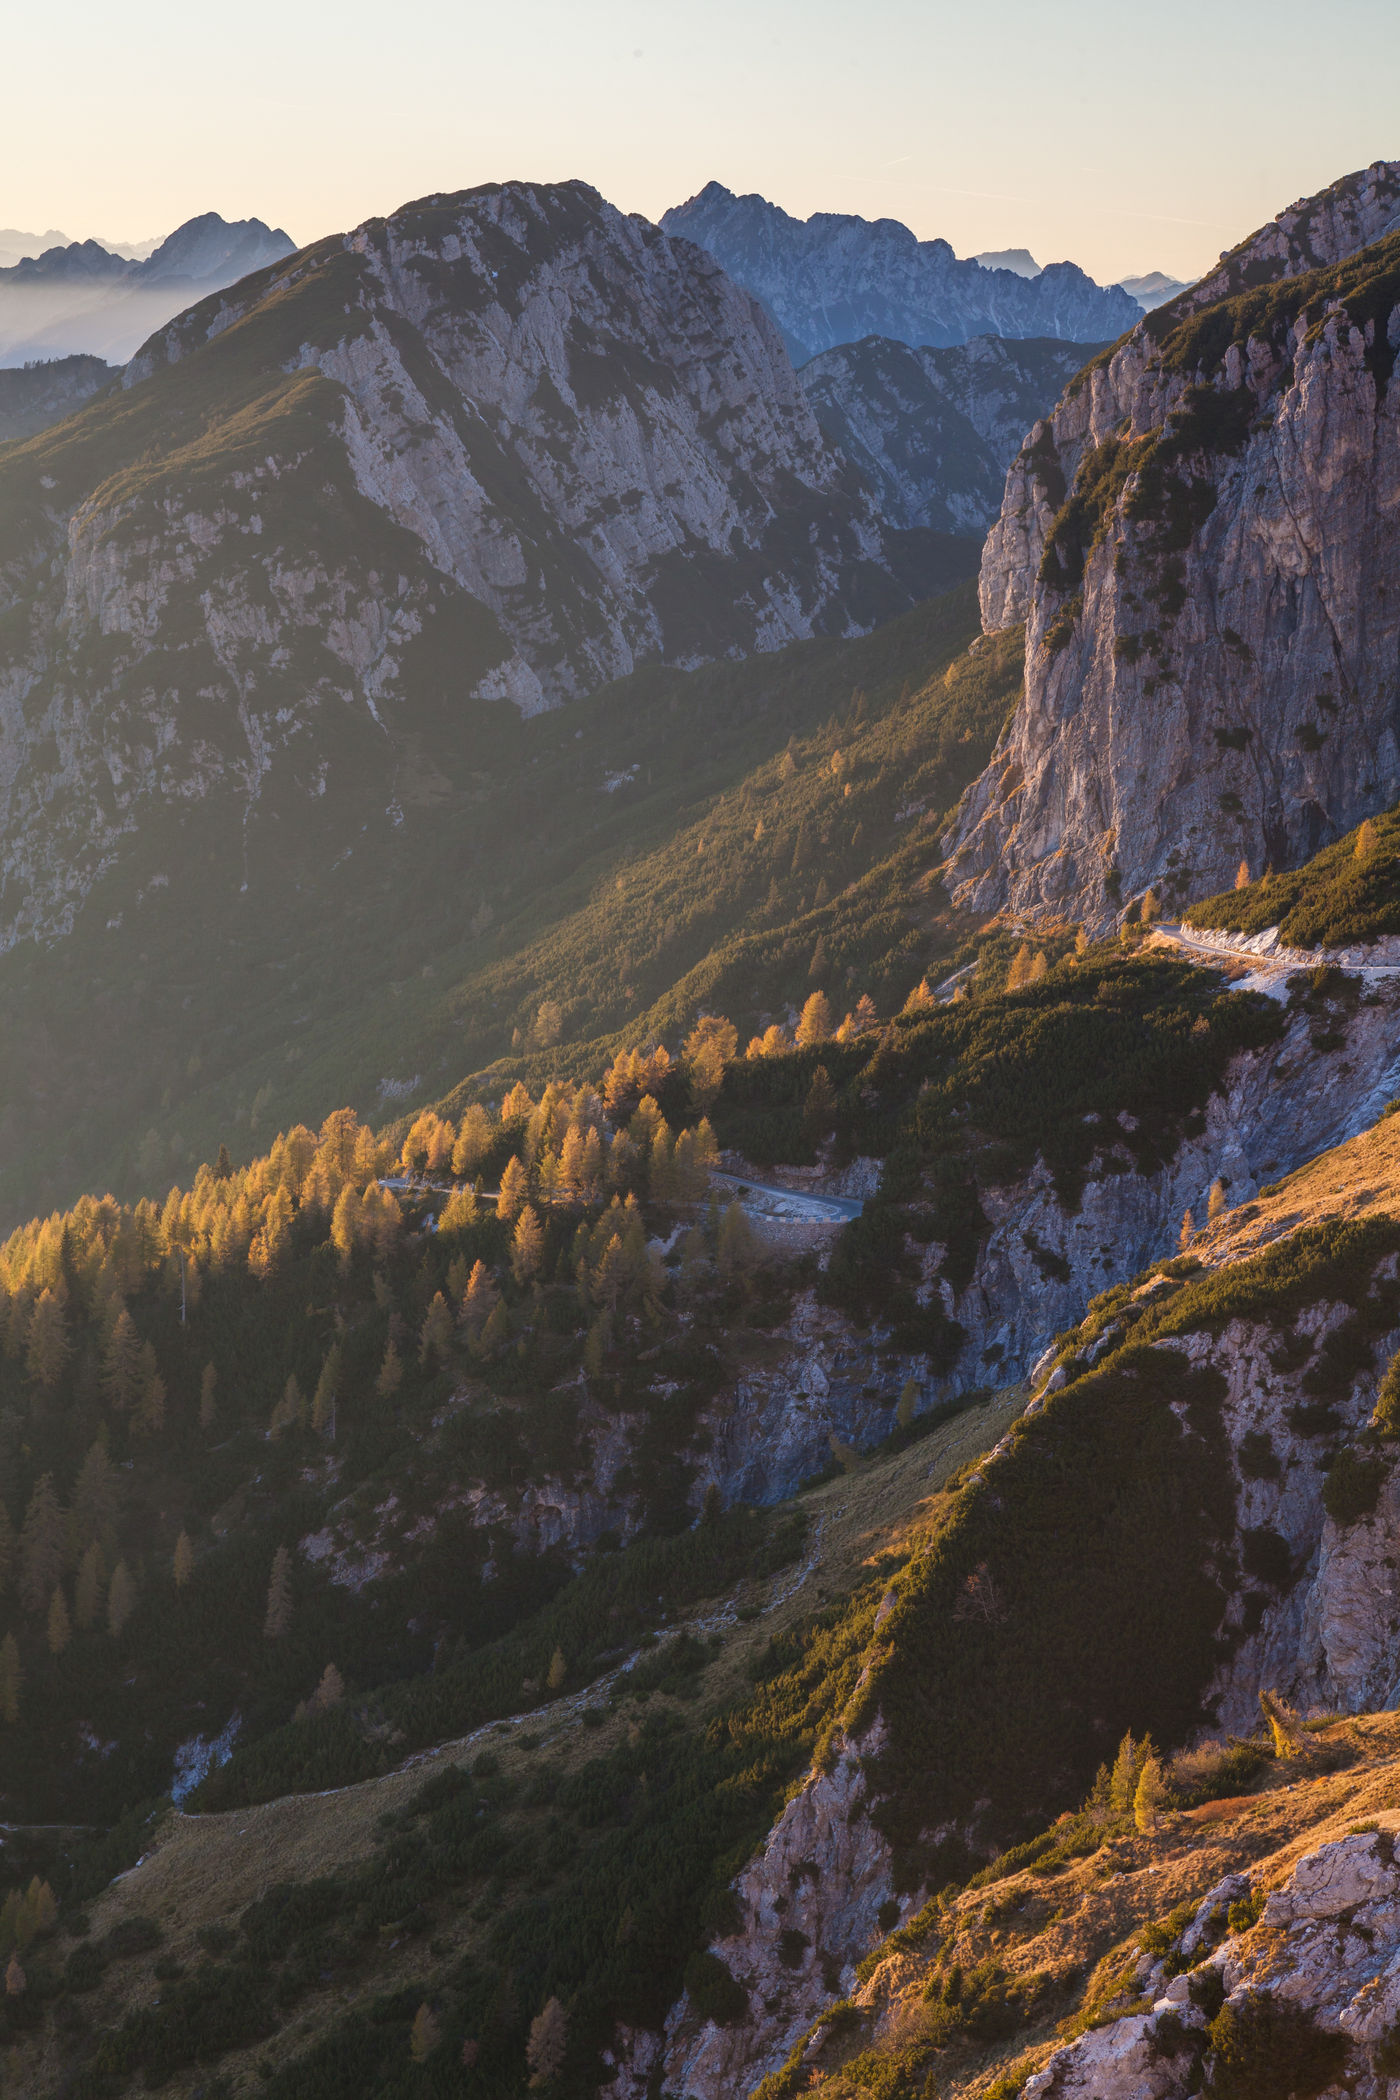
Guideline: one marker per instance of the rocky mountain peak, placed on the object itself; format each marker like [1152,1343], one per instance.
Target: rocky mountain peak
[212,250]
[508,445]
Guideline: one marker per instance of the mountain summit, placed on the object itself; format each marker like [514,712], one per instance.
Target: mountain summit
[835,278]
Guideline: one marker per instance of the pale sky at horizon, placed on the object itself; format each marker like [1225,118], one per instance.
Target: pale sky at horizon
[1123,139]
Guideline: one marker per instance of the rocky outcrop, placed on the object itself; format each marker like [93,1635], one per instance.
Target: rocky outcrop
[934,431]
[834,278]
[1041,1262]
[1204,542]
[505,445]
[806,1900]
[1310,1992]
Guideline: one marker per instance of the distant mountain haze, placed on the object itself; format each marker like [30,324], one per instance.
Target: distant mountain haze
[82,297]
[835,278]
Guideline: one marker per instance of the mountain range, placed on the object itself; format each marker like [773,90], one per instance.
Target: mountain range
[84,298]
[834,278]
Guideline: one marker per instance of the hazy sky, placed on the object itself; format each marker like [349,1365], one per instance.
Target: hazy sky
[1129,138]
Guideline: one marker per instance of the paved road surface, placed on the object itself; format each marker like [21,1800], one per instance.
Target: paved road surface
[770,1201]
[764,1198]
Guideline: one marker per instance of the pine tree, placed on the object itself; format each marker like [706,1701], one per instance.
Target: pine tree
[736,1241]
[42,1546]
[1385,1419]
[712,1042]
[207,1408]
[49,1346]
[436,1337]
[96,1496]
[279,1596]
[480,1297]
[549,2036]
[1020,966]
[474,1141]
[182,1567]
[1215,1202]
[16,1983]
[1150,1796]
[11,1680]
[121,1363]
[815,1023]
[1150,910]
[390,1374]
[425,2036]
[1187,1232]
[121,1599]
[558,1670]
[819,1109]
[1242,876]
[148,1419]
[1123,1784]
[1365,839]
[87,1595]
[1081,942]
[347,1223]
[527,1247]
[515,1188]
[329,1692]
[327,1389]
[1038,968]
[60,1626]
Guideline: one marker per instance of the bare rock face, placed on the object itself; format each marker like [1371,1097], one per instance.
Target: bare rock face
[1204,543]
[807,1899]
[500,446]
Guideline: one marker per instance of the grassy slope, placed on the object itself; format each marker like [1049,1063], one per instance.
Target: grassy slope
[403,926]
[1347,894]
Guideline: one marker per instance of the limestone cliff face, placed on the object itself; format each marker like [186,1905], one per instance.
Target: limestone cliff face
[811,1896]
[1204,542]
[505,445]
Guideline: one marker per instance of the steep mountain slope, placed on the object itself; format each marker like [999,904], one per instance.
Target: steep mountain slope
[834,278]
[1202,541]
[85,298]
[1104,1961]
[618,863]
[934,431]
